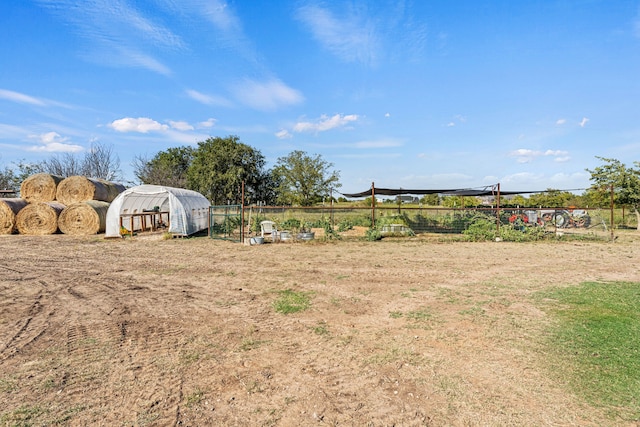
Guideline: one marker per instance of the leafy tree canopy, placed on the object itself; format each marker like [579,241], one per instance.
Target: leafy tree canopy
[303,179]
[551,198]
[219,167]
[624,180]
[167,168]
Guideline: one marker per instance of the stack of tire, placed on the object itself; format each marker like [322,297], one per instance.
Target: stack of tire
[49,204]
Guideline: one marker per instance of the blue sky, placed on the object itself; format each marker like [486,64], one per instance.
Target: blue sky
[411,94]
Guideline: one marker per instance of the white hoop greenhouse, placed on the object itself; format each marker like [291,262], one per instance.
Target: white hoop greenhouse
[188,211]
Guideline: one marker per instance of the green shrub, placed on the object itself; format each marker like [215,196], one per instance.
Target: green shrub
[373,234]
[290,224]
[481,230]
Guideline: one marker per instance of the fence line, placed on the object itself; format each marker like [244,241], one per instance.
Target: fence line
[225,221]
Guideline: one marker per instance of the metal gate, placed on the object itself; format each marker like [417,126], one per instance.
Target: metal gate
[225,222]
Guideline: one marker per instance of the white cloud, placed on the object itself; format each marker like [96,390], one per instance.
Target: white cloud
[128,57]
[183,126]
[52,142]
[209,123]
[141,125]
[325,123]
[524,155]
[387,115]
[20,97]
[458,118]
[283,134]
[352,38]
[560,122]
[118,32]
[222,17]
[207,99]
[266,96]
[583,122]
[50,137]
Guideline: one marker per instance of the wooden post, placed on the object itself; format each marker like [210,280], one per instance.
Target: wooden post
[498,211]
[373,205]
[611,225]
[242,215]
[331,207]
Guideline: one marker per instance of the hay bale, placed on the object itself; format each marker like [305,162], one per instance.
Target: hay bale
[85,218]
[41,187]
[9,208]
[39,218]
[76,189]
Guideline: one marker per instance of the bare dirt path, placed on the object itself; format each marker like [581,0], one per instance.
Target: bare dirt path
[184,332]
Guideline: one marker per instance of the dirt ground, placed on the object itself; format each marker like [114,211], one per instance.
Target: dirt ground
[406,332]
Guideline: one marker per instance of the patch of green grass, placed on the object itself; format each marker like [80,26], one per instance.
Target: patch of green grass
[194,398]
[474,311]
[250,344]
[23,416]
[595,344]
[7,386]
[291,301]
[189,357]
[321,329]
[418,315]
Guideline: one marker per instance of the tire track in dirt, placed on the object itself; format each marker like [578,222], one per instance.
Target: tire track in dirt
[147,374]
[129,355]
[32,324]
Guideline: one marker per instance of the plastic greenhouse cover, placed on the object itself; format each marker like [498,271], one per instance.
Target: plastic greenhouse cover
[188,210]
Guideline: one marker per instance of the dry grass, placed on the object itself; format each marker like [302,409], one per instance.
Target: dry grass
[186,331]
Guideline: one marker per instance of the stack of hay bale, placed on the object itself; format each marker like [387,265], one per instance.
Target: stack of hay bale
[75,205]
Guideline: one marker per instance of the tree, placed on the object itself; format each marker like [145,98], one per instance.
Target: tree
[624,180]
[101,162]
[219,167]
[303,179]
[551,198]
[8,180]
[167,168]
[430,199]
[98,162]
[11,180]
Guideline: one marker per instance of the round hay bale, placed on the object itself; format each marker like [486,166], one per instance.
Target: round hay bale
[85,218]
[9,208]
[39,218]
[76,189]
[41,187]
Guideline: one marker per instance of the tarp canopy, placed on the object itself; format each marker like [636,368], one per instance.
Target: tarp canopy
[188,210]
[484,191]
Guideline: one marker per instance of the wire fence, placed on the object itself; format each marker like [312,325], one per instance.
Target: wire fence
[336,221]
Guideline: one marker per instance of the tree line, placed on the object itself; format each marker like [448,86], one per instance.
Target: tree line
[216,168]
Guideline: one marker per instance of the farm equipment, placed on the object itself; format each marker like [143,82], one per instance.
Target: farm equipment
[560,218]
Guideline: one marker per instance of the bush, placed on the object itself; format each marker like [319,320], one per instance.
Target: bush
[373,234]
[481,230]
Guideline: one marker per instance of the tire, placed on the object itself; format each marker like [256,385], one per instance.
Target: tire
[562,219]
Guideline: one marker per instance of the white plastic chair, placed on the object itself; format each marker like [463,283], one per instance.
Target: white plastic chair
[269,229]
